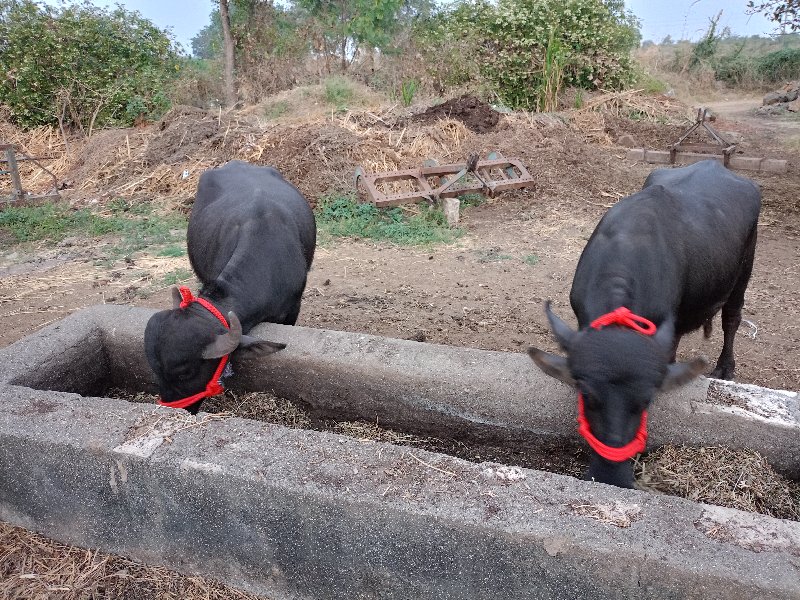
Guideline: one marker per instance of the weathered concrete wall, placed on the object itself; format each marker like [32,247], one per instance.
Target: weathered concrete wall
[298,514]
[422,388]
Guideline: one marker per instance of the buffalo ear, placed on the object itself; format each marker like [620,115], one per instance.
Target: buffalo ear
[563,332]
[227,342]
[552,365]
[176,298]
[255,347]
[679,374]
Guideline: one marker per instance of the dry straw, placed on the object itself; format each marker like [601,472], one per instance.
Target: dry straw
[740,479]
[34,567]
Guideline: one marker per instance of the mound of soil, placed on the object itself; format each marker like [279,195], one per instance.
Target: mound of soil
[189,132]
[473,112]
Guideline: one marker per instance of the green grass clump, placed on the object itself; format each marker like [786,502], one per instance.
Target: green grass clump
[138,226]
[339,91]
[173,251]
[276,109]
[344,216]
[471,199]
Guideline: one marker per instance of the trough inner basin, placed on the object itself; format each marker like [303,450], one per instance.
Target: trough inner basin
[331,395]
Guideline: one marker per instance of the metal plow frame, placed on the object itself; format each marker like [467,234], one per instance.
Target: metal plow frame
[474,176]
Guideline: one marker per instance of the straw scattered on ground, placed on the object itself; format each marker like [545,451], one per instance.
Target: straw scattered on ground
[33,567]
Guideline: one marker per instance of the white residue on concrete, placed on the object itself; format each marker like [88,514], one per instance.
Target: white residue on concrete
[504,473]
[149,434]
[749,530]
[194,465]
[768,404]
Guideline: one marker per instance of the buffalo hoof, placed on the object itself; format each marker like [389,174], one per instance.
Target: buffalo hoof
[723,372]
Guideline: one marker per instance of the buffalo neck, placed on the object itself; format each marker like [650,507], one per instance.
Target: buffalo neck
[638,287]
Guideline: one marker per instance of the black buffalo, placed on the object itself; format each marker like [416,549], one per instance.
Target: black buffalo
[251,240]
[674,253]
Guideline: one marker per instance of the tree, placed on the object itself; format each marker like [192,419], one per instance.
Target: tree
[344,27]
[82,66]
[208,42]
[229,47]
[784,12]
[667,41]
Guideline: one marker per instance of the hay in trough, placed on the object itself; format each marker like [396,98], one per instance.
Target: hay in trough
[741,479]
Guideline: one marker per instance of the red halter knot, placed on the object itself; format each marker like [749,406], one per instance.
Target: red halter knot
[620,316]
[623,316]
[186,296]
[214,386]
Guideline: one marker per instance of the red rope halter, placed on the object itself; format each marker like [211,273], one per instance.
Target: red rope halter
[621,316]
[214,386]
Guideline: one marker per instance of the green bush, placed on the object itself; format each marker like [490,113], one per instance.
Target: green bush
[82,65]
[344,216]
[780,65]
[525,50]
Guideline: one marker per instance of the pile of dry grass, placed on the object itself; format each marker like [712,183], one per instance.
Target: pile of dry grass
[164,160]
[44,143]
[637,104]
[601,115]
[34,567]
[740,479]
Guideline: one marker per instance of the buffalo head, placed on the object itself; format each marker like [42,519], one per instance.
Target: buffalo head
[618,372]
[184,347]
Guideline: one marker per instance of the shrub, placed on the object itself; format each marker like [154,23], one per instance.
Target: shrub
[527,49]
[780,65]
[82,65]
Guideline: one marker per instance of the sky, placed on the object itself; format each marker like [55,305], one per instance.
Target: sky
[682,19]
[689,19]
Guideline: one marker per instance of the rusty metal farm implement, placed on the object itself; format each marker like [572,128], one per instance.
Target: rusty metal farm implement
[443,184]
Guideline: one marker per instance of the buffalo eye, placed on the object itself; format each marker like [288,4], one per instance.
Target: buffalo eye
[183,372]
[590,401]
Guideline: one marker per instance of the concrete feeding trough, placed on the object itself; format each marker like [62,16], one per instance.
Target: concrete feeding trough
[303,514]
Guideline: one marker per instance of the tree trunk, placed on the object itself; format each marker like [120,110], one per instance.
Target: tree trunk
[230,84]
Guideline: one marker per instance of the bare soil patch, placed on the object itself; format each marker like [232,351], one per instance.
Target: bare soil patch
[476,114]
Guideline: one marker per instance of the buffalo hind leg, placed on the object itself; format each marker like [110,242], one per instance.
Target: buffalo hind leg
[732,316]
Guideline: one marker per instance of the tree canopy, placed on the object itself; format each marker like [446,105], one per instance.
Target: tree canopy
[82,66]
[783,12]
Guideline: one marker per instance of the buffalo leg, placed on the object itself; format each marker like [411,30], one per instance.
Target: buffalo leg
[732,315]
[674,351]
